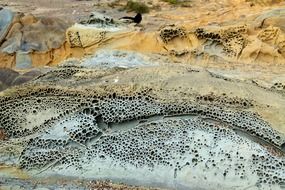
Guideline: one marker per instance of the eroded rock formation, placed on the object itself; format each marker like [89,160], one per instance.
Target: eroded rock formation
[144,129]
[191,104]
[258,38]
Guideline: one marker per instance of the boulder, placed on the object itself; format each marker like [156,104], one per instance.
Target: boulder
[31,34]
[44,35]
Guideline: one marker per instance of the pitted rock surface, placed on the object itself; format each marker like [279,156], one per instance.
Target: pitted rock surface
[168,33]
[232,39]
[98,18]
[135,127]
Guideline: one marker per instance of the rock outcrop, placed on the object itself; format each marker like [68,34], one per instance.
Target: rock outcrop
[258,38]
[23,37]
[197,103]
[165,126]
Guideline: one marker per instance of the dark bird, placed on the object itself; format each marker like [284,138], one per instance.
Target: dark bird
[137,19]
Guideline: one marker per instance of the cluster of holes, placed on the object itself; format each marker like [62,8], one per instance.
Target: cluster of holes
[278,86]
[38,159]
[128,147]
[268,34]
[124,108]
[115,108]
[202,34]
[79,128]
[74,39]
[269,173]
[84,135]
[99,19]
[62,73]
[46,143]
[224,100]
[179,144]
[18,125]
[170,32]
[178,53]
[232,39]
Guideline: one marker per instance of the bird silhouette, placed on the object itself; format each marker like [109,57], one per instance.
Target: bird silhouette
[137,19]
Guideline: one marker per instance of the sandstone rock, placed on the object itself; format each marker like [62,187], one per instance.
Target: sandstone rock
[85,36]
[44,35]
[218,125]
[232,43]
[6,60]
[267,18]
[235,42]
[33,36]
[28,19]
[30,34]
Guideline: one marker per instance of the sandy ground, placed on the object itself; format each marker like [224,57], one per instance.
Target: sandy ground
[198,13]
[66,9]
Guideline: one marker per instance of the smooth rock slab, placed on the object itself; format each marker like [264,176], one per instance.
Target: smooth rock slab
[6,18]
[23,60]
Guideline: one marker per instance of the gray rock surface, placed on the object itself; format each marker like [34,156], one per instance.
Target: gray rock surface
[31,33]
[6,18]
[43,35]
[275,17]
[158,126]
[7,76]
[23,60]
[98,18]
